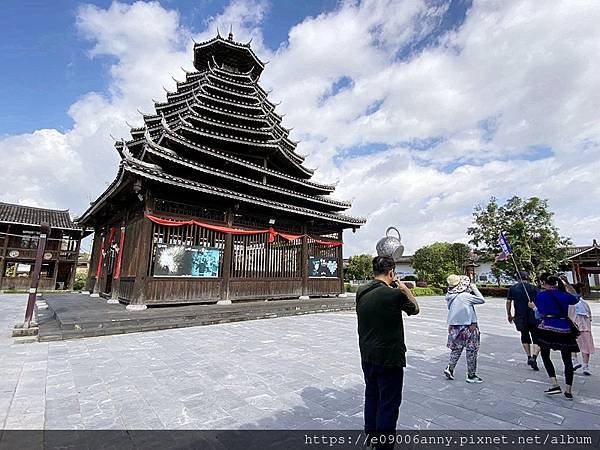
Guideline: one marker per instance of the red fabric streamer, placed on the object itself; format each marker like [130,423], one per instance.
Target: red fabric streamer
[328,243]
[287,237]
[226,230]
[272,233]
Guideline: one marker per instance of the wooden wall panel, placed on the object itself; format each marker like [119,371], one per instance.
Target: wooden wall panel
[164,290]
[126,288]
[243,288]
[323,286]
[131,246]
[97,243]
[23,283]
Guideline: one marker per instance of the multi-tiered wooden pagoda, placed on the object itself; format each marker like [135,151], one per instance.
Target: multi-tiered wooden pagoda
[211,201]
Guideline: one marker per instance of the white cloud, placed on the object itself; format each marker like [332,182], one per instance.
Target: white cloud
[528,73]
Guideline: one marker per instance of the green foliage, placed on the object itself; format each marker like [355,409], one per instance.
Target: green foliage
[360,267]
[420,291]
[528,227]
[435,262]
[493,291]
[80,280]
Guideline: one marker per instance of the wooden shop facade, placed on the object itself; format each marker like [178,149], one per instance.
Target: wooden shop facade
[212,202]
[19,237]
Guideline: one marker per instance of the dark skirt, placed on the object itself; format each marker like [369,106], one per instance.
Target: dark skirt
[555,340]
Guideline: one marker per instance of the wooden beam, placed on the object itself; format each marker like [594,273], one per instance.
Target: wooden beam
[138,297]
[74,270]
[304,260]
[3,262]
[341,261]
[227,258]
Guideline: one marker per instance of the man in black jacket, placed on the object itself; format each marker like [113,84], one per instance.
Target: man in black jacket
[524,318]
[379,309]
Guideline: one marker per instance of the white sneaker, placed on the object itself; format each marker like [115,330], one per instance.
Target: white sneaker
[586,370]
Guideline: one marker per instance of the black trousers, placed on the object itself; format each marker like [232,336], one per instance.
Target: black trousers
[383,396]
[566,357]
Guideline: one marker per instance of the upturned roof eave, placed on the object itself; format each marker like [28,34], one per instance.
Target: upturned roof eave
[338,205]
[222,192]
[170,134]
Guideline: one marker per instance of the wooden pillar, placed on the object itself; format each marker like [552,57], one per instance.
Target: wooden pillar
[585,279]
[340,261]
[74,270]
[138,297]
[116,283]
[98,266]
[574,272]
[3,262]
[227,258]
[54,273]
[304,262]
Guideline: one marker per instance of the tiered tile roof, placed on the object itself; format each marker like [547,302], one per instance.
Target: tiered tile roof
[219,134]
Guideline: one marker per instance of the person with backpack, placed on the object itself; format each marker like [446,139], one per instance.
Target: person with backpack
[379,308]
[521,294]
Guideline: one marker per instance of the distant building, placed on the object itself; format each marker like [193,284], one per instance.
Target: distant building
[582,265]
[19,231]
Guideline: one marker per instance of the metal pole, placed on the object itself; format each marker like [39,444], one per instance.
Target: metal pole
[35,279]
[520,279]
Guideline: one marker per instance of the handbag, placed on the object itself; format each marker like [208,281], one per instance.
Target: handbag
[573,328]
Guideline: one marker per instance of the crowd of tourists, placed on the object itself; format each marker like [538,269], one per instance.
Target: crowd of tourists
[552,316]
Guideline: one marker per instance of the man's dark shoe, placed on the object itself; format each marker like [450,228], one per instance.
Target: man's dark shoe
[553,390]
[569,396]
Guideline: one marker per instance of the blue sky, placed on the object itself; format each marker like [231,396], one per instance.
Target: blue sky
[46,66]
[418,109]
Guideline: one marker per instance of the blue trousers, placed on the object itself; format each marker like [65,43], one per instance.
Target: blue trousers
[383,395]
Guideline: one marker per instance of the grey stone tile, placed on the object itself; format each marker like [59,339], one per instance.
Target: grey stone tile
[296,372]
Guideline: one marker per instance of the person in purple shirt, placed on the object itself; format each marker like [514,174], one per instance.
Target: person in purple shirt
[554,331]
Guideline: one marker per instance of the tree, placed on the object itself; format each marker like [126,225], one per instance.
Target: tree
[529,229]
[360,267]
[433,263]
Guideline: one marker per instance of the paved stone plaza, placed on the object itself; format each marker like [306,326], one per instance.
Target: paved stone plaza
[288,373]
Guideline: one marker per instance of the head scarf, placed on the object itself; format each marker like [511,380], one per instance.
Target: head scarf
[458,284]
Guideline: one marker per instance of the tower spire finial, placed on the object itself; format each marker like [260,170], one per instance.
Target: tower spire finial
[230,37]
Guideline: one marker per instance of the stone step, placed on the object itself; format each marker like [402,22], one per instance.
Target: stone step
[88,318]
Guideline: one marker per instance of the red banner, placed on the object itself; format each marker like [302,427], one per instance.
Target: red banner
[227,230]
